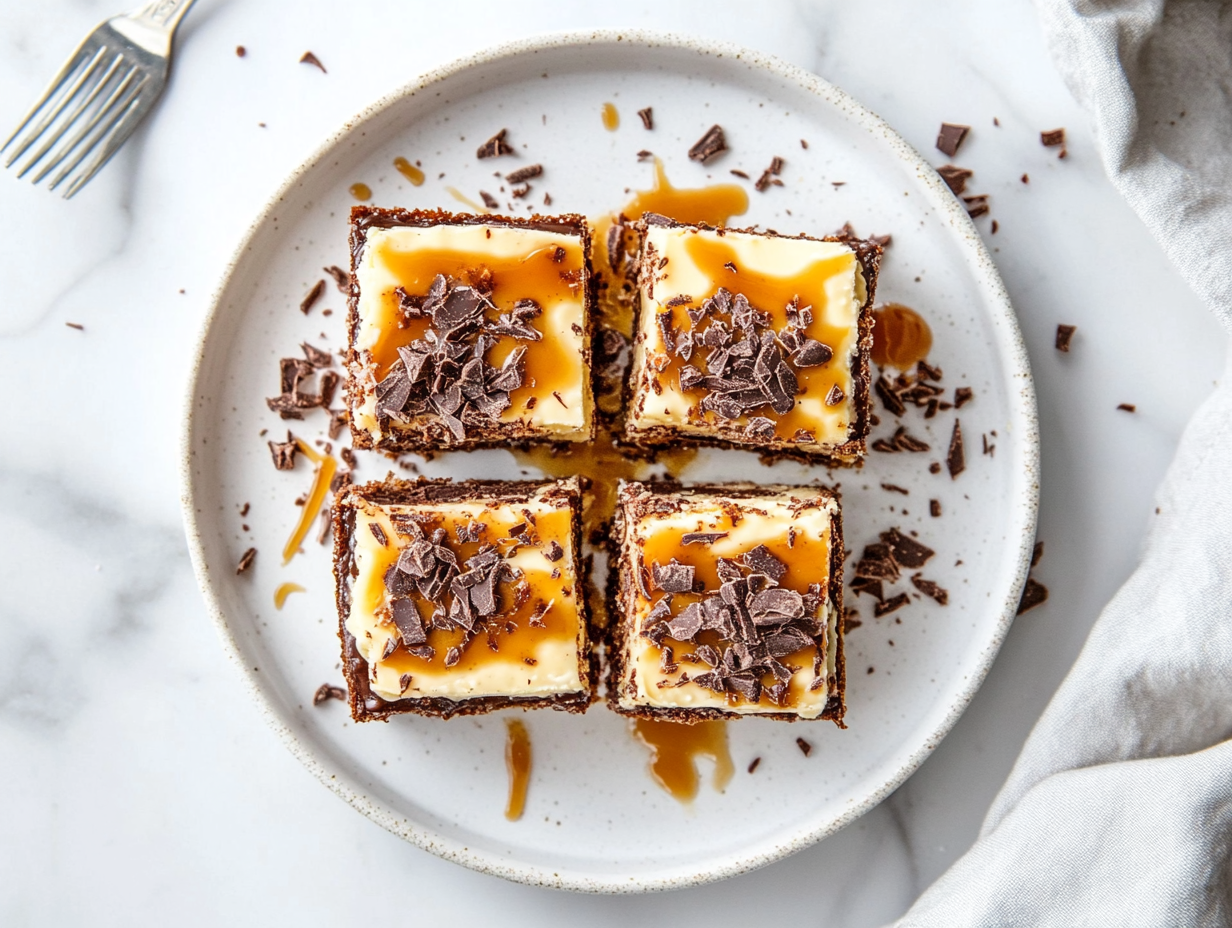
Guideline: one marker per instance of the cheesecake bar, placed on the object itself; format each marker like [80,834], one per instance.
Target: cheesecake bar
[468,331]
[752,340]
[462,598]
[726,602]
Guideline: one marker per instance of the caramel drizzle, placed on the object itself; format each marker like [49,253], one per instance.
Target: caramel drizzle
[518,761]
[321,479]
[675,749]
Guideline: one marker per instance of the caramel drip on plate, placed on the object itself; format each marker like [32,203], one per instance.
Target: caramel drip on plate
[675,748]
[321,478]
[714,204]
[516,639]
[409,171]
[807,561]
[536,276]
[771,294]
[518,763]
[611,118]
[285,590]
[467,201]
[360,191]
[901,337]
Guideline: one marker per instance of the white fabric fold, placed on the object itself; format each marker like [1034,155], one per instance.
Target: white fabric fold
[1119,809]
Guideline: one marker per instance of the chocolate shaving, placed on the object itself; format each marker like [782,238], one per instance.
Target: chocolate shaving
[674,577]
[768,175]
[895,488]
[342,280]
[701,538]
[1127,407]
[976,206]
[316,357]
[891,400]
[554,551]
[284,453]
[955,460]
[934,508]
[906,551]
[1036,553]
[495,146]
[1033,594]
[709,146]
[886,606]
[955,177]
[246,560]
[647,117]
[310,58]
[835,396]
[379,534]
[1051,138]
[521,175]
[313,295]
[805,748]
[325,692]
[962,396]
[488,200]
[754,763]
[950,137]
[1065,334]
[930,589]
[760,559]
[868,585]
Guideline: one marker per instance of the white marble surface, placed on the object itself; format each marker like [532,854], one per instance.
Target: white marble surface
[138,784]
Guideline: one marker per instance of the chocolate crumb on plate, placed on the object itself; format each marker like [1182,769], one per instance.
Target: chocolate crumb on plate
[488,200]
[1026,178]
[283,453]
[240,51]
[342,280]
[1036,553]
[739,173]
[521,175]
[753,764]
[246,560]
[894,603]
[1065,334]
[709,146]
[768,175]
[934,467]
[955,177]
[930,589]
[313,295]
[495,146]
[76,325]
[310,58]
[1033,594]
[994,228]
[805,748]
[645,155]
[647,117]
[325,692]
[1051,138]
[893,488]
[977,205]
[950,137]
[955,460]
[934,508]
[962,396]
[1127,407]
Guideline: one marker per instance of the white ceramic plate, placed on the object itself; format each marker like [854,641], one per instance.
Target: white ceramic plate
[595,820]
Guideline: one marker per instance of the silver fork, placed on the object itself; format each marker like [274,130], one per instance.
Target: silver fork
[100,95]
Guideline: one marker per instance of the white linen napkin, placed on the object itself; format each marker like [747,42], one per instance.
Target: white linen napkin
[1119,809]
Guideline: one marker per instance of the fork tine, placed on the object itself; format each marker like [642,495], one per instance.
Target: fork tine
[72,118]
[53,111]
[106,108]
[112,136]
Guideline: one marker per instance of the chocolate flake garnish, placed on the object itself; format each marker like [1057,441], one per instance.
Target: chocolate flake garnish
[342,280]
[928,588]
[976,206]
[488,200]
[647,117]
[906,551]
[645,155]
[404,683]
[962,396]
[283,453]
[1036,553]
[1064,335]
[760,559]
[554,552]
[886,606]
[76,325]
[313,295]
[310,58]
[379,534]
[955,177]
[521,175]
[701,538]
[325,692]
[1127,407]
[950,137]
[934,508]
[867,585]
[1051,138]
[769,174]
[955,460]
[709,146]
[805,748]
[891,400]
[495,146]
[1033,594]
[835,396]
[246,560]
[894,488]
[316,357]
[753,764]
[674,577]
[410,625]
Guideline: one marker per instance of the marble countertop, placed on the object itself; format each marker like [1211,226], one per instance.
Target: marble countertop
[139,783]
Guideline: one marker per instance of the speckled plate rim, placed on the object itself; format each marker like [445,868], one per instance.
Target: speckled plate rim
[1025,481]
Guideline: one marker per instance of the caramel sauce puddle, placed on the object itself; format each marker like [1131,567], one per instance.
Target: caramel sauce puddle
[901,337]
[518,763]
[674,750]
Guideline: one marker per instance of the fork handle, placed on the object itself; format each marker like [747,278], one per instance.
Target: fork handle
[165,14]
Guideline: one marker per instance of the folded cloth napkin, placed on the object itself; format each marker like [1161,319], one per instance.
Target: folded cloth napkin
[1119,810]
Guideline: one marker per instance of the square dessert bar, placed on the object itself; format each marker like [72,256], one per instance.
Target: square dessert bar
[468,331]
[753,340]
[726,602]
[461,598]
